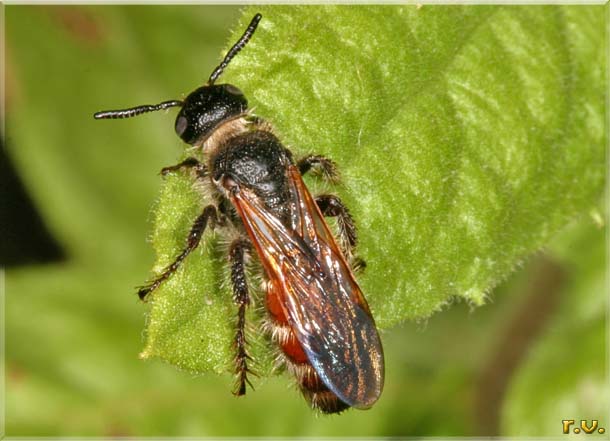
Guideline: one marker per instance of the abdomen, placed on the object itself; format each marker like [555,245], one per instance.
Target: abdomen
[308,380]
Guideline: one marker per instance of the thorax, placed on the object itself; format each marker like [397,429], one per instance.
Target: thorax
[254,159]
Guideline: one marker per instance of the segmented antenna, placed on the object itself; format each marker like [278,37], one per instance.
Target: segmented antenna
[236,48]
[135,111]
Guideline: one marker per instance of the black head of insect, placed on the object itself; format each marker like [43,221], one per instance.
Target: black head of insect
[206,107]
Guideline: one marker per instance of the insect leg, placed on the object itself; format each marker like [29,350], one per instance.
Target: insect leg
[209,215]
[187,164]
[358,264]
[320,164]
[237,255]
[331,206]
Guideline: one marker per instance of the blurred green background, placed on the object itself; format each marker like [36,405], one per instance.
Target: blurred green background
[534,355]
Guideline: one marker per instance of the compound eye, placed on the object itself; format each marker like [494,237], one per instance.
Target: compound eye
[233,90]
[181,125]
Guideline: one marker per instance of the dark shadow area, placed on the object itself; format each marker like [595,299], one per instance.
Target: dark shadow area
[24,238]
[528,322]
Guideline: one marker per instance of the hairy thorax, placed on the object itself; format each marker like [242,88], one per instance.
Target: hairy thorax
[253,158]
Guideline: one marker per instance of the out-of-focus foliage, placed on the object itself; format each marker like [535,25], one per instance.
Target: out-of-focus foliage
[567,373]
[74,328]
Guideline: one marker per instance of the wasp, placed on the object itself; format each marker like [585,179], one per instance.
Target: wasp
[317,314]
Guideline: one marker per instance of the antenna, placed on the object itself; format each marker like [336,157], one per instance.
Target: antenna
[135,111]
[236,48]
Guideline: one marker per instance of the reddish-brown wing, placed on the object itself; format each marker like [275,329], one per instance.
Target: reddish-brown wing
[322,300]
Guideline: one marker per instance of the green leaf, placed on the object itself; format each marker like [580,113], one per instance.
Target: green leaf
[466,138]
